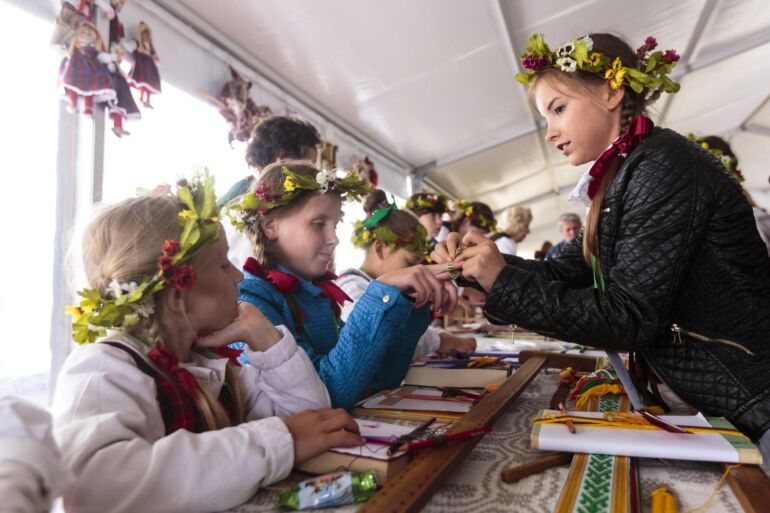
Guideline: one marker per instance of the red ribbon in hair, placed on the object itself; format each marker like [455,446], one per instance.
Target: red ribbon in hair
[287,283]
[639,128]
[167,362]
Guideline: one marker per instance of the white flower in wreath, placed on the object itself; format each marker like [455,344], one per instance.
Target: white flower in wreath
[727,161]
[565,50]
[588,41]
[145,307]
[118,289]
[567,64]
[324,179]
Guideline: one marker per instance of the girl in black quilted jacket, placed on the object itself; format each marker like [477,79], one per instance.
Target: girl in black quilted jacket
[670,265]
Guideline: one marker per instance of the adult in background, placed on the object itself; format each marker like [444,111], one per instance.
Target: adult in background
[569,227]
[518,220]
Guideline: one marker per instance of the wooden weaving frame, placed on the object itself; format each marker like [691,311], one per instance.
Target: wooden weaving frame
[412,488]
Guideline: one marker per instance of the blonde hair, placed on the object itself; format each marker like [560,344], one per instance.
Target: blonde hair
[517,220]
[123,243]
[633,104]
[272,178]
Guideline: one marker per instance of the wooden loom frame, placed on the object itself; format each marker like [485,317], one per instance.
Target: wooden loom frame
[414,486]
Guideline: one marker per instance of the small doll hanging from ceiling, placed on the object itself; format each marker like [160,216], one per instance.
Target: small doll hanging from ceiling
[123,107]
[72,15]
[328,155]
[85,71]
[365,169]
[238,109]
[144,74]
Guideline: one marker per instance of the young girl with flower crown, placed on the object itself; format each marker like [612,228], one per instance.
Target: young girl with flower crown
[393,239]
[291,218]
[670,266]
[158,414]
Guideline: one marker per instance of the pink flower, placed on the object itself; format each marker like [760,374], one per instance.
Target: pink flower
[671,56]
[261,191]
[651,43]
[535,63]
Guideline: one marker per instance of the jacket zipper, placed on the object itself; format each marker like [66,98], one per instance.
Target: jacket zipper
[678,331]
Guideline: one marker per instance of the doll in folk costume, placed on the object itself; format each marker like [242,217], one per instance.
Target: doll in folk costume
[239,110]
[144,74]
[85,72]
[72,15]
[123,107]
[328,155]
[365,169]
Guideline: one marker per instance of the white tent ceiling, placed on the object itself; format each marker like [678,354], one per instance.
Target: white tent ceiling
[432,80]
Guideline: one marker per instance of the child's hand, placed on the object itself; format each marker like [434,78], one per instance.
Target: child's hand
[425,284]
[444,250]
[317,431]
[480,260]
[249,326]
[461,344]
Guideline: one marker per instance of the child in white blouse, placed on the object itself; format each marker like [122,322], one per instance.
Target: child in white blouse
[159,416]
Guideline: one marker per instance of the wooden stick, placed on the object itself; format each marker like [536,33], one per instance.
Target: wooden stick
[579,363]
[535,466]
[751,487]
[413,487]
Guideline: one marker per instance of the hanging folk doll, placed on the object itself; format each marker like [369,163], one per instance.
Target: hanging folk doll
[239,110]
[123,107]
[85,71]
[144,74]
[365,169]
[74,13]
[328,155]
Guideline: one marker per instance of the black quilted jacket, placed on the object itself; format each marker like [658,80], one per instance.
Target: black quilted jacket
[678,248]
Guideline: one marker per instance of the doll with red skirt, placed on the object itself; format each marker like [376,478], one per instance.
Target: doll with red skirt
[144,74]
[85,71]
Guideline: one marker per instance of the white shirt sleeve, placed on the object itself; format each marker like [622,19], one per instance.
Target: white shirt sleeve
[354,285]
[109,426]
[428,343]
[506,245]
[31,473]
[763,226]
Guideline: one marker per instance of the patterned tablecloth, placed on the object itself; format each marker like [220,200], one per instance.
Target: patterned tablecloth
[475,486]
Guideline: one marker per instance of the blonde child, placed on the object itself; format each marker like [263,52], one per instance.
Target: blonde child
[393,239]
[518,220]
[670,265]
[291,218]
[157,415]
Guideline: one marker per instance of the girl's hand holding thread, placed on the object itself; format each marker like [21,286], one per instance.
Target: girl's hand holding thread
[480,260]
[249,326]
[425,284]
[445,250]
[317,431]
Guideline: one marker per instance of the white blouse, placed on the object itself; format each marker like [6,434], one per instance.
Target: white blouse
[109,427]
[31,473]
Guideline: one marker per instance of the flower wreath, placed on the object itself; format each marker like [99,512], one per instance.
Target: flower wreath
[466,207]
[426,202]
[351,187]
[126,303]
[649,77]
[730,163]
[369,230]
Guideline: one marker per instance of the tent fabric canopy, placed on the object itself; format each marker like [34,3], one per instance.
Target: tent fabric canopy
[432,81]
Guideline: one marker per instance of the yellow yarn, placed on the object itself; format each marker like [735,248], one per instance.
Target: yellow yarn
[663,501]
[582,402]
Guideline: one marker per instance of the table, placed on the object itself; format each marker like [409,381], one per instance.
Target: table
[475,486]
